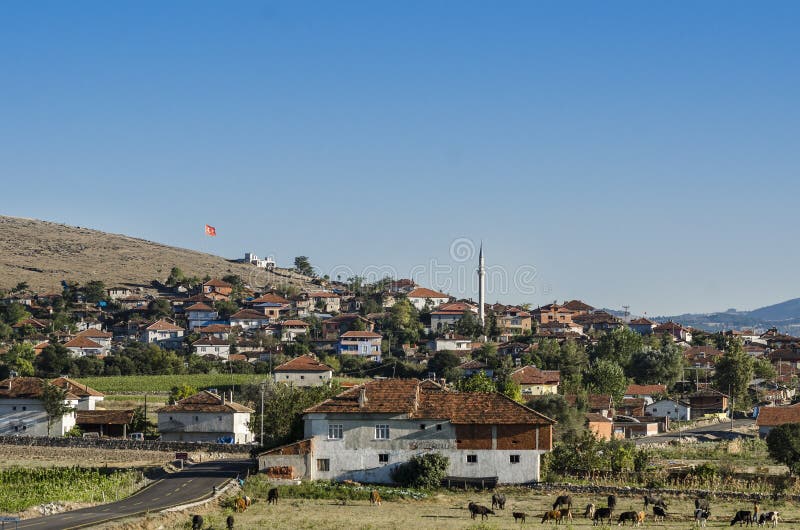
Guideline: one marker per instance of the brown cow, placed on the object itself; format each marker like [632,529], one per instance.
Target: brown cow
[375,497]
[552,515]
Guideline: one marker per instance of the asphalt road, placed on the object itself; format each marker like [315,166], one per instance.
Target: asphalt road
[194,483]
[720,430]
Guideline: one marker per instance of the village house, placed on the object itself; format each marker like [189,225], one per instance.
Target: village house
[642,326]
[291,329]
[218,331]
[271,305]
[646,392]
[601,426]
[673,409]
[708,401]
[103,338]
[771,417]
[512,321]
[205,417]
[471,367]
[163,333]
[674,330]
[325,302]
[84,347]
[422,297]
[22,411]
[219,287]
[553,313]
[702,357]
[200,314]
[578,307]
[451,342]
[446,316]
[363,343]
[304,370]
[367,431]
[115,293]
[597,321]
[133,301]
[335,326]
[535,382]
[219,348]
[247,319]
[87,397]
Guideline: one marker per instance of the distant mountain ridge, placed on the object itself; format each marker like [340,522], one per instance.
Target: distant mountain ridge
[785,316]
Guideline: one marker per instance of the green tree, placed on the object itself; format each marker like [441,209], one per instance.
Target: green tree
[182,391]
[618,346]
[783,443]
[424,471]
[94,291]
[443,362]
[176,277]
[15,313]
[607,377]
[763,369]
[663,366]
[733,372]
[159,308]
[477,382]
[303,266]
[54,401]
[468,325]
[571,420]
[225,308]
[54,360]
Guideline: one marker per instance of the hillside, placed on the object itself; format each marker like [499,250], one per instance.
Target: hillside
[785,316]
[42,254]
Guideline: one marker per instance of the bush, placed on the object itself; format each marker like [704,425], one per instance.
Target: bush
[422,471]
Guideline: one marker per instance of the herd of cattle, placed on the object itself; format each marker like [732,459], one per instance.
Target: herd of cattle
[562,511]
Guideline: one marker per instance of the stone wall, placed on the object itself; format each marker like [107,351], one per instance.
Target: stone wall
[148,445]
[557,488]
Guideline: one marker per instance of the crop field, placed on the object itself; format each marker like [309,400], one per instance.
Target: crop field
[12,456]
[448,510]
[130,384]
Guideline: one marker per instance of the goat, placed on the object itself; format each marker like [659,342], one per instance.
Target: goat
[498,501]
[602,514]
[701,516]
[272,496]
[659,513]
[743,517]
[589,513]
[197,522]
[624,517]
[477,509]
[563,500]
[375,498]
[519,516]
[552,515]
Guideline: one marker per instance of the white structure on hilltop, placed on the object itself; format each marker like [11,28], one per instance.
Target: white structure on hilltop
[481,288]
[267,263]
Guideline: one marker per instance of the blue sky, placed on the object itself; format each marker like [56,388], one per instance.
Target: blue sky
[640,153]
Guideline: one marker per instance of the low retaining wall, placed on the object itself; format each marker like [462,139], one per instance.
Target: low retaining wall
[147,445]
[630,491]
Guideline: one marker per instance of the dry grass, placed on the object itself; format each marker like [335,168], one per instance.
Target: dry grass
[43,253]
[38,456]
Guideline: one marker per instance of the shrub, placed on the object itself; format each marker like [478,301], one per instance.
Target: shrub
[422,471]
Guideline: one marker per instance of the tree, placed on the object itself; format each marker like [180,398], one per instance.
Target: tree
[607,377]
[468,325]
[54,401]
[783,443]
[182,391]
[225,308]
[54,360]
[662,366]
[15,313]
[20,287]
[303,266]
[442,362]
[618,346]
[94,291]
[571,424]
[159,308]
[477,382]
[422,471]
[763,369]
[733,372]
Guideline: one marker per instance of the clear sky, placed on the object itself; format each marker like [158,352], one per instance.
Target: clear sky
[639,153]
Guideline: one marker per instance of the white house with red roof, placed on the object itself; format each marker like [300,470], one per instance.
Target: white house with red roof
[200,314]
[103,338]
[249,319]
[446,316]
[366,344]
[291,329]
[304,370]
[164,333]
[22,411]
[205,417]
[422,297]
[219,348]
[366,432]
[85,347]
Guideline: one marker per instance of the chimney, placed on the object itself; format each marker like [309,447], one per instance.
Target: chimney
[362,398]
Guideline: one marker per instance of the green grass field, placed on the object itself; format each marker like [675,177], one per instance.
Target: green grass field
[131,384]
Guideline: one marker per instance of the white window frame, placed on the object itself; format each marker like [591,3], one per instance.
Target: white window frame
[382,431]
[335,429]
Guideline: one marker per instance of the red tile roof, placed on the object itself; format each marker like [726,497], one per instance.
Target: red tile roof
[199,306]
[75,388]
[103,417]
[304,363]
[457,308]
[249,314]
[531,375]
[82,342]
[294,324]
[645,390]
[322,294]
[210,341]
[269,298]
[25,388]
[95,334]
[163,325]
[204,401]
[422,292]
[215,328]
[360,335]
[577,305]
[774,416]
[420,401]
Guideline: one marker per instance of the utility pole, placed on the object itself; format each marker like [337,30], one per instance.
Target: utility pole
[261,439]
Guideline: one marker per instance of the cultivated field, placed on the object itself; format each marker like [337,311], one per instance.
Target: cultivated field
[445,511]
[131,384]
[39,456]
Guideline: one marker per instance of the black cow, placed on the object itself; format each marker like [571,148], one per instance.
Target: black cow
[229,522]
[743,517]
[197,522]
[633,517]
[602,514]
[563,500]
[769,517]
[519,516]
[701,516]
[498,501]
[654,500]
[477,509]
[272,496]
[659,513]
[612,501]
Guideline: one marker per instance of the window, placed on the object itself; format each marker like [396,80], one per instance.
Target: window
[335,431]
[381,432]
[514,459]
[472,459]
[24,407]
[14,408]
[422,426]
[439,427]
[323,464]
[383,458]
[302,377]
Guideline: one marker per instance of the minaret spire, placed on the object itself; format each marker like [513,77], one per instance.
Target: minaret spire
[481,288]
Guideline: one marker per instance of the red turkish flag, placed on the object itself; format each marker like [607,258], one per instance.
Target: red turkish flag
[211,231]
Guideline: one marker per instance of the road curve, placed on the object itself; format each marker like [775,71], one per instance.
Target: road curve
[194,483]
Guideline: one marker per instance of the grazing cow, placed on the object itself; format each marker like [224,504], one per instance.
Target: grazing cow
[477,509]
[563,500]
[197,522]
[654,500]
[229,522]
[701,504]
[659,513]
[247,501]
[612,501]
[624,517]
[240,505]
[768,518]
[375,498]
[701,516]
[552,515]
[498,501]
[589,513]
[519,516]
[272,496]
[566,513]
[743,517]
[601,514]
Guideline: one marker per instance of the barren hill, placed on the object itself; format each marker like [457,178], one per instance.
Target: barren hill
[42,254]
